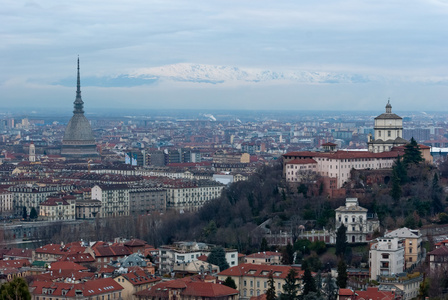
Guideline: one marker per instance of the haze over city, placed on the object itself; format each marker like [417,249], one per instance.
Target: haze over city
[299,55]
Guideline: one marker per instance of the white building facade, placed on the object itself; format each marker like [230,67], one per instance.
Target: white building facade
[386,257]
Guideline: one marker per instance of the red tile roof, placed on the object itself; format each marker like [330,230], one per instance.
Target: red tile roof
[87,289]
[67,265]
[345,154]
[135,243]
[50,249]
[78,258]
[189,288]
[346,292]
[103,250]
[441,251]
[140,277]
[374,293]
[15,263]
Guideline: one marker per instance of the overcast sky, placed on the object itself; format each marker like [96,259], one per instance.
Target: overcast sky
[363,52]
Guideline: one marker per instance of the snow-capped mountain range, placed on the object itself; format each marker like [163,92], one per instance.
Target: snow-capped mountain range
[221,74]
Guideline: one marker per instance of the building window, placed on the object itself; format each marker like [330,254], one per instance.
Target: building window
[379,133]
[389,133]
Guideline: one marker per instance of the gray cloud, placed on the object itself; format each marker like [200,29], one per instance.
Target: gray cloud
[400,40]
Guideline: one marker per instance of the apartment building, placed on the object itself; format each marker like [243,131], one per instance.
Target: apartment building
[30,196]
[252,279]
[54,209]
[386,257]
[412,244]
[114,199]
[185,252]
[191,195]
[145,200]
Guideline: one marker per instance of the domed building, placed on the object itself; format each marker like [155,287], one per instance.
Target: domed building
[388,132]
[78,141]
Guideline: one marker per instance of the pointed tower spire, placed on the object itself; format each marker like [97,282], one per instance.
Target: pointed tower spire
[78,104]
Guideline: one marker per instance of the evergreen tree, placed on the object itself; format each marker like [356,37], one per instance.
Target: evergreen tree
[33,213]
[341,240]
[230,282]
[309,285]
[330,287]
[15,289]
[264,245]
[270,292]
[401,171]
[342,274]
[290,287]
[396,191]
[24,213]
[218,257]
[288,255]
[436,195]
[412,153]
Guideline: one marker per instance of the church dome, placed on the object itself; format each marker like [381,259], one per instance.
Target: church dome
[78,129]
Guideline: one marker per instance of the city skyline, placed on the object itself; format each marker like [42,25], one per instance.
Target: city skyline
[226,55]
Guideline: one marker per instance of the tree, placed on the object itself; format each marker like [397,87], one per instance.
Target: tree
[24,213]
[264,245]
[423,291]
[342,274]
[270,292]
[309,285]
[412,153]
[330,287]
[33,213]
[436,195]
[288,255]
[15,289]
[218,257]
[341,240]
[396,192]
[230,282]
[290,287]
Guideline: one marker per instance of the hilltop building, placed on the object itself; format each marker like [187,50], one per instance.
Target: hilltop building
[354,217]
[388,132]
[78,141]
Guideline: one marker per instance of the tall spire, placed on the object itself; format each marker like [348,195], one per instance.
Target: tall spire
[79,104]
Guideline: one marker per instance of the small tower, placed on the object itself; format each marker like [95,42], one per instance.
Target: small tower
[32,153]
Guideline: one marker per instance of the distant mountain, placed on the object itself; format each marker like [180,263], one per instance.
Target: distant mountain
[220,74]
[199,73]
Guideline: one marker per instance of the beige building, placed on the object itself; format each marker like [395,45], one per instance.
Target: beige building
[190,196]
[114,199]
[54,209]
[221,156]
[5,202]
[412,244]
[252,280]
[135,281]
[264,258]
[87,209]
